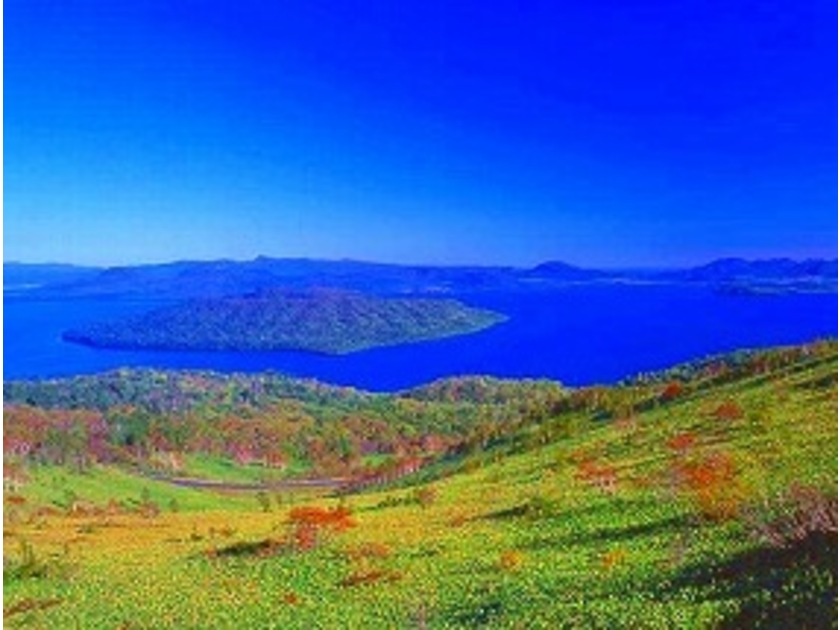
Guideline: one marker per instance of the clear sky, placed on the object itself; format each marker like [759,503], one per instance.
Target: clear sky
[609,133]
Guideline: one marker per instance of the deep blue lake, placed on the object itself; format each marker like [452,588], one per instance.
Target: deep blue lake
[578,335]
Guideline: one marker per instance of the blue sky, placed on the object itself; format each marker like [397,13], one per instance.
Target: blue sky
[612,133]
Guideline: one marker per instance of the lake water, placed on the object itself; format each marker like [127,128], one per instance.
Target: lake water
[579,335]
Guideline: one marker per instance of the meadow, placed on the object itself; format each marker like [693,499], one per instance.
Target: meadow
[700,497]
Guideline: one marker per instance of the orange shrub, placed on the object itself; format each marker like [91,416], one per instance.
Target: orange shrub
[425,496]
[600,476]
[309,522]
[613,558]
[459,520]
[369,550]
[510,560]
[712,484]
[729,410]
[682,442]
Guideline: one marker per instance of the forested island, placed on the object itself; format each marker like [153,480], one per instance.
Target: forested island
[327,321]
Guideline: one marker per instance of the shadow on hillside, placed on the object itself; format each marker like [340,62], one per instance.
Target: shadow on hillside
[771,584]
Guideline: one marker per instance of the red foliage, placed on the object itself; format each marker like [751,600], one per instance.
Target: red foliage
[682,442]
[310,521]
[600,476]
[712,483]
[337,518]
[672,390]
[709,470]
[729,410]
[369,550]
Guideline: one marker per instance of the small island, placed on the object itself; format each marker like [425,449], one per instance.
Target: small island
[326,321]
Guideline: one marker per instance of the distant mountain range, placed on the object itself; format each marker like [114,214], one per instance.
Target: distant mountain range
[195,279]
[22,275]
[729,269]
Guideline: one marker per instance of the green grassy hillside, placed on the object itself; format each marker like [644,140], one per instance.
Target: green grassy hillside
[701,498]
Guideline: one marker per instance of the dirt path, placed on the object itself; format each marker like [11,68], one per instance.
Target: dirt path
[233,486]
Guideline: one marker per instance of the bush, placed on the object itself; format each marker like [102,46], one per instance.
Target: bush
[681,443]
[311,522]
[729,410]
[425,496]
[510,560]
[672,391]
[712,484]
[793,516]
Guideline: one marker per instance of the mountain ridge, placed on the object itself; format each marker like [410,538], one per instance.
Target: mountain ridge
[224,277]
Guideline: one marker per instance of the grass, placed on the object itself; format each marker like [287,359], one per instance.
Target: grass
[532,539]
[59,487]
[203,466]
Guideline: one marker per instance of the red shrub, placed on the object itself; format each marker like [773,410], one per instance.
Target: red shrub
[310,521]
[369,550]
[672,390]
[729,410]
[712,484]
[600,476]
[682,442]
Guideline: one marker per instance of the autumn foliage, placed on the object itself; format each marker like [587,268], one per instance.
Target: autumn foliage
[712,483]
[603,477]
[510,560]
[729,410]
[310,523]
[682,442]
[672,391]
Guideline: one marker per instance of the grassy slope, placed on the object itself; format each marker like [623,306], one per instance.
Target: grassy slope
[521,542]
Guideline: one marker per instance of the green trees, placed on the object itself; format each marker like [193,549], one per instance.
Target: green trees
[322,320]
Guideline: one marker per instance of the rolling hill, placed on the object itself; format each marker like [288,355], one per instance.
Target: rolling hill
[699,497]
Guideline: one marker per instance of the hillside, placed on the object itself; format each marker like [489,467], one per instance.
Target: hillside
[729,269]
[128,417]
[701,497]
[320,320]
[220,278]
[24,276]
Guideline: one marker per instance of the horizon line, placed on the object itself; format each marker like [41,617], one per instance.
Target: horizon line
[419,264]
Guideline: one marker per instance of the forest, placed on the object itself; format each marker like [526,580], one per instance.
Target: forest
[325,321]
